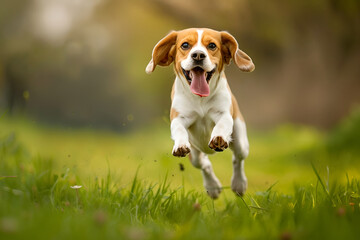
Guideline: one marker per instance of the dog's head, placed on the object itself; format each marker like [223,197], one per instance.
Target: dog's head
[198,56]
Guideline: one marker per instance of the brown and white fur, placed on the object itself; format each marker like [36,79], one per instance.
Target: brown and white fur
[205,118]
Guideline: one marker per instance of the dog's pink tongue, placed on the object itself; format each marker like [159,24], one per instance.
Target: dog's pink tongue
[199,86]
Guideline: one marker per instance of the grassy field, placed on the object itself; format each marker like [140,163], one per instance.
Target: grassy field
[303,184]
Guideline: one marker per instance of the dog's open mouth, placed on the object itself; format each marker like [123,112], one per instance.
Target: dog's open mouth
[199,80]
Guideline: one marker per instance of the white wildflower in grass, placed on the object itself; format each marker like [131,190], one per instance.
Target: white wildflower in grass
[77,187]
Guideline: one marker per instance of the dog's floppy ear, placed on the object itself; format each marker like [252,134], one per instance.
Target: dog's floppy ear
[163,53]
[230,51]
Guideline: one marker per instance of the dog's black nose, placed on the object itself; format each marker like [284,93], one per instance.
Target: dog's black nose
[198,55]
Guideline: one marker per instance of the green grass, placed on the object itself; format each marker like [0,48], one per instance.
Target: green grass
[302,185]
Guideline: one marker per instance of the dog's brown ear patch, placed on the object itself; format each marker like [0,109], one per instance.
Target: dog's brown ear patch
[163,53]
[230,51]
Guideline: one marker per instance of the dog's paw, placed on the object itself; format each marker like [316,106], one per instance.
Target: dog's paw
[213,188]
[218,144]
[239,185]
[181,150]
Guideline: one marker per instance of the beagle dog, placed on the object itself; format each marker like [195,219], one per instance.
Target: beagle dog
[205,116]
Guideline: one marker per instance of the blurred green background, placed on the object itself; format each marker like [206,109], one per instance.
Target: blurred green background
[73,85]
[81,63]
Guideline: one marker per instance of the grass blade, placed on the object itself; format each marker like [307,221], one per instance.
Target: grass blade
[322,184]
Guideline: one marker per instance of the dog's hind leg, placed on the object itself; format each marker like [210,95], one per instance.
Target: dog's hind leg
[211,182]
[240,148]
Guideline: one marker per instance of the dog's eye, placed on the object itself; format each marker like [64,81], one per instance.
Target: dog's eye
[212,46]
[185,45]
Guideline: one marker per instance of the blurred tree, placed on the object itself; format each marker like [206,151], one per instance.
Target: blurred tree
[15,82]
[12,25]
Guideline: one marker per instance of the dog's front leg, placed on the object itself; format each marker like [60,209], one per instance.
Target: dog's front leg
[221,134]
[180,136]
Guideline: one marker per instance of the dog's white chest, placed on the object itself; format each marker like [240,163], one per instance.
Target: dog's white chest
[200,133]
